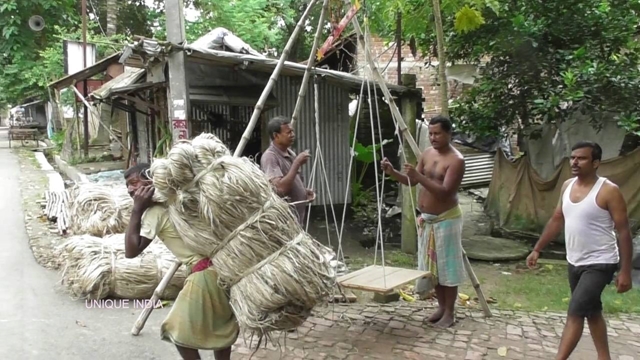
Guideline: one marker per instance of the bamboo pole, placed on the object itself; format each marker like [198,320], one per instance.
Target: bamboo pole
[409,138]
[313,57]
[144,315]
[96,115]
[272,81]
[142,318]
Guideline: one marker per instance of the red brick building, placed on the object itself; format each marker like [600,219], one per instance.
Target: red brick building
[426,70]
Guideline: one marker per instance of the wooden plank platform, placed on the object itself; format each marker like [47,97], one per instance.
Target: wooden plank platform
[374,279]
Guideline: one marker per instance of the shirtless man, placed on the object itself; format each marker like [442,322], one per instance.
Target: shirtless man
[590,208]
[439,171]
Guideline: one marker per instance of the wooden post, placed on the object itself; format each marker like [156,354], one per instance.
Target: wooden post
[409,236]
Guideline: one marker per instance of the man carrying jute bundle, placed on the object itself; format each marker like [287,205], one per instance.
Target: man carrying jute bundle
[282,165]
[201,317]
[439,170]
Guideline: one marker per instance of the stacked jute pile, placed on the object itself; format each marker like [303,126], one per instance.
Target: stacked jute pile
[224,208]
[96,268]
[99,210]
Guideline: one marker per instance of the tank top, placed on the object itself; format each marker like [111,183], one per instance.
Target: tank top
[589,229]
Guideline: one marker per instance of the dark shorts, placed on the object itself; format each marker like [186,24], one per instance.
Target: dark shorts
[587,283]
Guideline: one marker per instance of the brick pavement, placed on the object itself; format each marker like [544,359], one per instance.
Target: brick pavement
[398,331]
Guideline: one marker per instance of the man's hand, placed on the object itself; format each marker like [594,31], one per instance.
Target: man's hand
[386,166]
[412,174]
[532,259]
[142,198]
[311,195]
[623,281]
[302,158]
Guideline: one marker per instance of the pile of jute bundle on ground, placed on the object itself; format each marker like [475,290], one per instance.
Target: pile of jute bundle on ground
[96,268]
[224,208]
[99,210]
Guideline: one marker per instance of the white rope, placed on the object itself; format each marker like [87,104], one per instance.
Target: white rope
[379,193]
[326,192]
[348,187]
[397,133]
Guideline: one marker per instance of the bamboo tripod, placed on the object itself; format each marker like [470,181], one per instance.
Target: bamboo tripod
[143,317]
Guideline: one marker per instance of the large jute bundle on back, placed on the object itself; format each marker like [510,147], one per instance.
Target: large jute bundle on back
[99,210]
[96,268]
[225,208]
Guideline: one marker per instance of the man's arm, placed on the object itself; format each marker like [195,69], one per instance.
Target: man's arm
[554,225]
[134,243]
[282,182]
[142,228]
[403,178]
[451,183]
[618,209]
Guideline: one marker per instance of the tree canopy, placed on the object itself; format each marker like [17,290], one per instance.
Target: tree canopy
[540,61]
[548,61]
[29,60]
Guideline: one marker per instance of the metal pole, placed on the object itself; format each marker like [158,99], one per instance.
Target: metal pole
[84,66]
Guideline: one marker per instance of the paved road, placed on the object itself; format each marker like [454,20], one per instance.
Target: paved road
[39,322]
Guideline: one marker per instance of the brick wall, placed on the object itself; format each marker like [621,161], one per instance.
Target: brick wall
[385,57]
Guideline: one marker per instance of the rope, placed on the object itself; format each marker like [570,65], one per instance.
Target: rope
[250,221]
[326,191]
[268,259]
[379,191]
[353,144]
[397,132]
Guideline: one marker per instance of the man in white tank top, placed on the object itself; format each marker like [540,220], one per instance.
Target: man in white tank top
[591,209]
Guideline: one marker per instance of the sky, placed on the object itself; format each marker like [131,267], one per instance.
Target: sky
[190,13]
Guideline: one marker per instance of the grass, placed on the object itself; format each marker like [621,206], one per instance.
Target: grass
[515,287]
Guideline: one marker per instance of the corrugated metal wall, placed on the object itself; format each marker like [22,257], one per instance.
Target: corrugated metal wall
[334,133]
[226,122]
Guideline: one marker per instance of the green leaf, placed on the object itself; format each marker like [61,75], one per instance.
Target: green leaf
[468,19]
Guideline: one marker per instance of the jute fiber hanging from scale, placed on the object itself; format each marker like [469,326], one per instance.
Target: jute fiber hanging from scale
[224,208]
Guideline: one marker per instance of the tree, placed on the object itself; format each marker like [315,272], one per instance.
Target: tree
[30,60]
[423,26]
[548,61]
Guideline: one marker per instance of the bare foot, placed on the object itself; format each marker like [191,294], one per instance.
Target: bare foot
[446,321]
[436,316]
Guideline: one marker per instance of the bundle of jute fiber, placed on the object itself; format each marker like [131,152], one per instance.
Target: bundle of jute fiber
[99,210]
[225,208]
[96,268]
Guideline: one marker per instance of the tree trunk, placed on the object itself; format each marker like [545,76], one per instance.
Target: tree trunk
[442,60]
[112,17]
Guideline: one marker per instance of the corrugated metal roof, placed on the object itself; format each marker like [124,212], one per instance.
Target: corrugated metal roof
[128,77]
[479,170]
[267,65]
[87,72]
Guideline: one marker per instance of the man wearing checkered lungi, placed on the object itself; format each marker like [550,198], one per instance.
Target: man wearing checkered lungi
[439,172]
